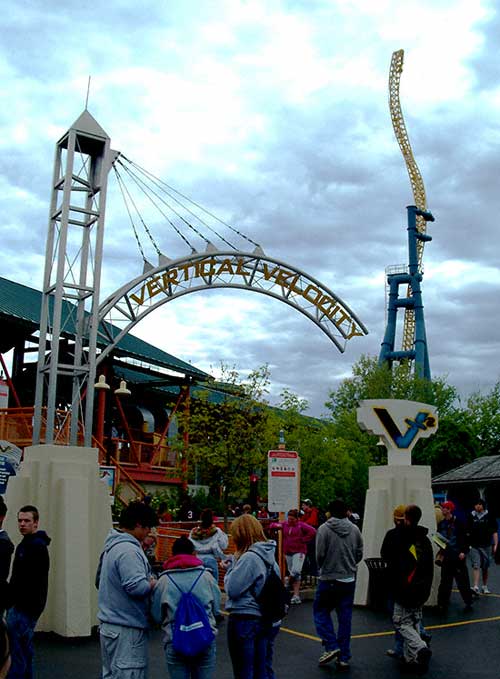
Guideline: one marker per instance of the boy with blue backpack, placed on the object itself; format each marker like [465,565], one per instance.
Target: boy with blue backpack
[185,601]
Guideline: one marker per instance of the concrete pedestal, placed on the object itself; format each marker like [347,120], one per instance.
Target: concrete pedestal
[63,483]
[389,486]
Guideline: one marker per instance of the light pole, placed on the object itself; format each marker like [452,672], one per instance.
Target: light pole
[101,387]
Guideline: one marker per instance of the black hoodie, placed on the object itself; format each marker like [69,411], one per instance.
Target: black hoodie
[411,564]
[30,574]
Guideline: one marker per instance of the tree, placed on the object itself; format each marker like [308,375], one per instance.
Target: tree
[226,437]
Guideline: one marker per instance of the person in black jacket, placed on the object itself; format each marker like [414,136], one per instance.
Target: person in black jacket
[6,549]
[483,538]
[27,591]
[454,561]
[411,564]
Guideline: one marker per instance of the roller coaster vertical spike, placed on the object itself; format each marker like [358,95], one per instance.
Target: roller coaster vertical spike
[414,343]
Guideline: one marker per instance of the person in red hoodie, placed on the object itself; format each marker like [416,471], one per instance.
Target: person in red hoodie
[296,535]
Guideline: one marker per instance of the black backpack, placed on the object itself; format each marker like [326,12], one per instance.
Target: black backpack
[274,598]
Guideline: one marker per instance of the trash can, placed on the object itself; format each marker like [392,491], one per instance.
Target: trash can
[378,584]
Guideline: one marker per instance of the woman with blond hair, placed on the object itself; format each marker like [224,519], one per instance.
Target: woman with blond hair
[250,638]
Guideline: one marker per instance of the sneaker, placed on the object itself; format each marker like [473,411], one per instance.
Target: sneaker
[485,589]
[393,654]
[295,599]
[328,656]
[342,665]
[475,589]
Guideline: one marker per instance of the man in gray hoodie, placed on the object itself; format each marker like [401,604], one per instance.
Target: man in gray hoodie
[125,584]
[339,549]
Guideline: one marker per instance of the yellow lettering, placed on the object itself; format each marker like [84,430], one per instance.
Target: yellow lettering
[240,270]
[283,275]
[139,300]
[225,267]
[154,288]
[268,275]
[354,332]
[316,298]
[211,269]
[185,268]
[170,278]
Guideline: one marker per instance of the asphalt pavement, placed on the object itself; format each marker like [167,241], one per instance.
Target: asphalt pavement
[464,645]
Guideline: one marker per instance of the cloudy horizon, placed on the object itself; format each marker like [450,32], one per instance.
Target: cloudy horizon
[274,116]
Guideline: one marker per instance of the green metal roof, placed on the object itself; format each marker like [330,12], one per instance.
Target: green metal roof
[20,309]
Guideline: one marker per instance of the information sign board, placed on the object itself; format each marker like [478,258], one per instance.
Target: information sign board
[282,480]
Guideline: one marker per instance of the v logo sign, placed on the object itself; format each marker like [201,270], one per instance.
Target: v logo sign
[422,421]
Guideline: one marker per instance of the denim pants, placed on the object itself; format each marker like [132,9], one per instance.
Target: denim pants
[124,652]
[21,627]
[200,666]
[339,596]
[249,642]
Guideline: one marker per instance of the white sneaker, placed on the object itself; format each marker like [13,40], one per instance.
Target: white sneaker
[475,589]
[485,589]
[295,600]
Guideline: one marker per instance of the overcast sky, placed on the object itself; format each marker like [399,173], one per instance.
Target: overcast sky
[274,116]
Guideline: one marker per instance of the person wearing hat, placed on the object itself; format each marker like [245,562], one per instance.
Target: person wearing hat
[454,561]
[388,552]
[483,536]
[411,566]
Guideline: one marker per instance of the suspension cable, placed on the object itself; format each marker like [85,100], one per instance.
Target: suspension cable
[160,182]
[146,191]
[120,184]
[146,229]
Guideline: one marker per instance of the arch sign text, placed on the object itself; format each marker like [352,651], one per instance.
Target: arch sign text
[244,271]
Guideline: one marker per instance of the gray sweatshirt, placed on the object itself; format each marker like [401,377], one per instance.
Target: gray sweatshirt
[339,549]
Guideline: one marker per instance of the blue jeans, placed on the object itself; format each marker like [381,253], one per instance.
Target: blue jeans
[200,666]
[21,628]
[271,635]
[339,596]
[124,652]
[249,642]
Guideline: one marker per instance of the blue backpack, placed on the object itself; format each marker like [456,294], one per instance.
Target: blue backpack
[191,630]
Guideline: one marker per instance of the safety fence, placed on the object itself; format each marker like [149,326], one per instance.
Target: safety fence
[168,533]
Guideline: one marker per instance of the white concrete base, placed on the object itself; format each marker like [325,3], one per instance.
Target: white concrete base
[63,483]
[389,486]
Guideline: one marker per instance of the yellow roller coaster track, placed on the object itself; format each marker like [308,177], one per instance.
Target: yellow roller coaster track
[416,180]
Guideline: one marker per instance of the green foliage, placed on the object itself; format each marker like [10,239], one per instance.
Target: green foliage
[226,439]
[484,421]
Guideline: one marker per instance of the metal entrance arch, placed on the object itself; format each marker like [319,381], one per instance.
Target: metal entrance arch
[226,269]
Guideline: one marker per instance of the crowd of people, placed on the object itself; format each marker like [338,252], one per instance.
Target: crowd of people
[184,597]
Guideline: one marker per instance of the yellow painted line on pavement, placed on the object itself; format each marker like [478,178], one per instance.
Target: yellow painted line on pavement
[371,635]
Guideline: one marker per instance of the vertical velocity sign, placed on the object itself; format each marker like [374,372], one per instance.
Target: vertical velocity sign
[282,480]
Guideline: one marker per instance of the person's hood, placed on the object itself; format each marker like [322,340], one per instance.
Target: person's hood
[418,531]
[341,527]
[39,536]
[266,550]
[182,561]
[114,536]
[479,515]
[200,533]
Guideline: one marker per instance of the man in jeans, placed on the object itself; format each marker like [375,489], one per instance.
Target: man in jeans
[483,537]
[27,591]
[339,549]
[125,584]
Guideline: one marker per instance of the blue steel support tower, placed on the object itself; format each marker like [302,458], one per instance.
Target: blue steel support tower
[412,279]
